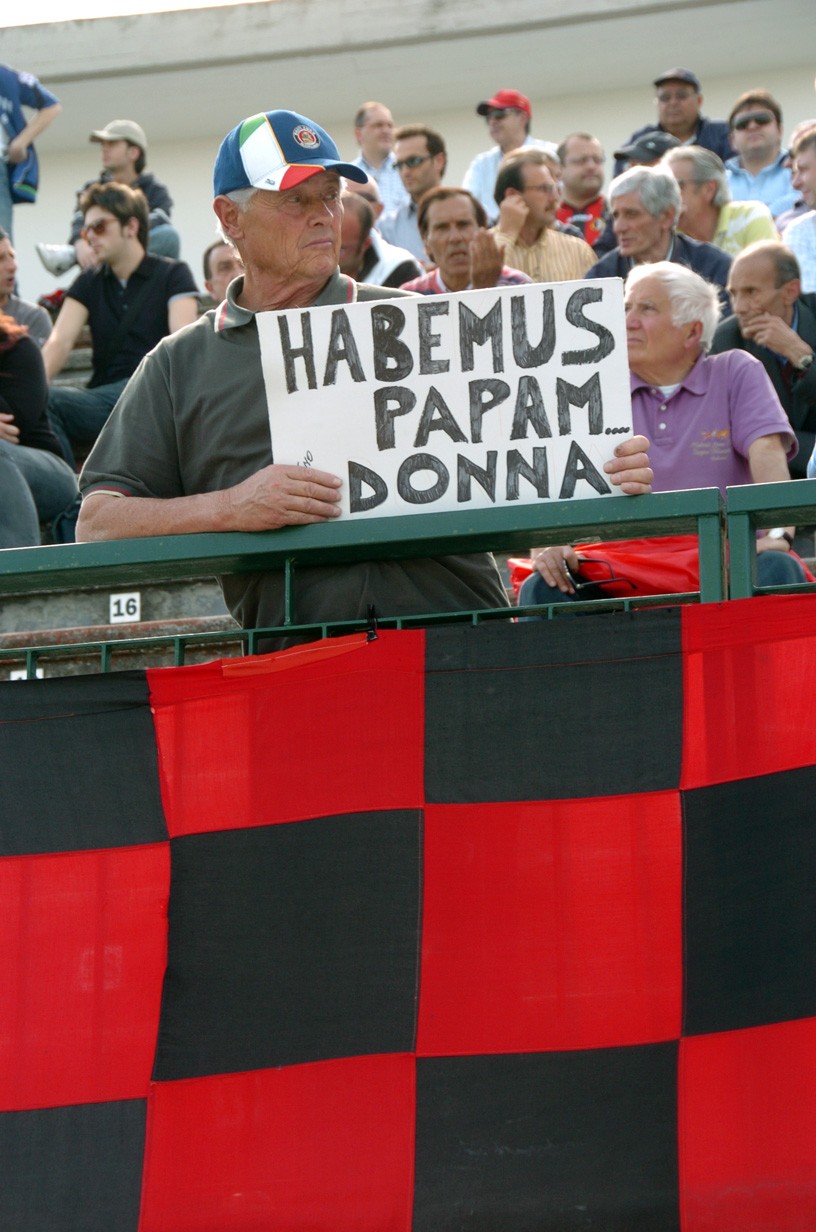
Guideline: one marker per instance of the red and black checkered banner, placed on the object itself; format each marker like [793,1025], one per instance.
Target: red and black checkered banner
[505,929]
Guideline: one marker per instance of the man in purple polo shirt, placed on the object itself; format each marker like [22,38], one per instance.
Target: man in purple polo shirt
[711,424]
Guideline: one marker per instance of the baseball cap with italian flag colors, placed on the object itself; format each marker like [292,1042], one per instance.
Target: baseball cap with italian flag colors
[277,150]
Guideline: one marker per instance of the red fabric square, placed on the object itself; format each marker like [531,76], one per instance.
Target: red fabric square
[341,731]
[742,659]
[551,925]
[83,948]
[321,1146]
[747,1129]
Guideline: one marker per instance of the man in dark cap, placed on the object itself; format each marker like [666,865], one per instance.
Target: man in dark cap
[679,99]
[509,115]
[647,150]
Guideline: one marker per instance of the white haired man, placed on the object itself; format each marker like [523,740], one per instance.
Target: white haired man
[713,421]
[706,211]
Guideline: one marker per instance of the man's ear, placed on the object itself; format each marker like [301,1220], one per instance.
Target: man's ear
[695,333]
[228,214]
[791,291]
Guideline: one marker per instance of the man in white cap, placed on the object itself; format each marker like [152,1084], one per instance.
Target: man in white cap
[189,447]
[123,147]
[509,115]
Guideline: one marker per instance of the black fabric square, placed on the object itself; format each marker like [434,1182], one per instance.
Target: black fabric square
[292,943]
[548,1142]
[750,903]
[586,705]
[72,1169]
[78,764]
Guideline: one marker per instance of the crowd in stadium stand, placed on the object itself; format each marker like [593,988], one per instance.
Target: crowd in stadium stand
[724,198]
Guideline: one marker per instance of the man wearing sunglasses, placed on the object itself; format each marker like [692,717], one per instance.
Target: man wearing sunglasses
[421,159]
[761,170]
[679,101]
[129,299]
[509,116]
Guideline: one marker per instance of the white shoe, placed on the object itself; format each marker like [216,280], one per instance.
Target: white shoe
[57,258]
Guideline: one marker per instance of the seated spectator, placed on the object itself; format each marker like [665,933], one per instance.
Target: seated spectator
[453,225]
[374,131]
[645,204]
[706,209]
[528,196]
[130,300]
[646,151]
[35,319]
[364,255]
[221,264]
[509,116]
[421,159]
[800,235]
[124,153]
[583,205]
[679,102]
[713,421]
[799,206]
[776,323]
[37,484]
[760,169]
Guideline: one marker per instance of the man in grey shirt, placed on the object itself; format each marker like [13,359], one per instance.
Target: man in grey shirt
[36,319]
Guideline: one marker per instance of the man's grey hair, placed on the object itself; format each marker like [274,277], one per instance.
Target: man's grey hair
[242,198]
[692,298]
[706,165]
[656,187]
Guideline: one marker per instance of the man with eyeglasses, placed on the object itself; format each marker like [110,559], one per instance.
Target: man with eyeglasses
[679,100]
[130,299]
[421,159]
[760,169]
[528,196]
[509,116]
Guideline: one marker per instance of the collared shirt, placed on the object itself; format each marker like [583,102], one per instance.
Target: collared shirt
[480,177]
[392,191]
[700,435]
[741,223]
[800,237]
[771,184]
[554,257]
[400,228]
[432,284]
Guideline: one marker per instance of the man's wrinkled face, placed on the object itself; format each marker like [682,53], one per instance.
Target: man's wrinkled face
[8,269]
[804,176]
[752,285]
[678,105]
[755,134]
[639,233]
[583,171]
[450,226]
[225,264]
[294,235]
[376,134]
[653,341]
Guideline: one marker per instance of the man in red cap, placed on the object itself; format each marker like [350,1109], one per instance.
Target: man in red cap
[508,116]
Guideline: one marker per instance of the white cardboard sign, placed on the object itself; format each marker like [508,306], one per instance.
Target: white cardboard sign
[468,400]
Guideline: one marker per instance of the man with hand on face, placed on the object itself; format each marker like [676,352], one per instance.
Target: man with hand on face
[712,421]
[189,446]
[453,226]
[776,323]
[421,159]
[528,196]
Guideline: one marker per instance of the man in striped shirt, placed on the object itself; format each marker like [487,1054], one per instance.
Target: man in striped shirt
[528,197]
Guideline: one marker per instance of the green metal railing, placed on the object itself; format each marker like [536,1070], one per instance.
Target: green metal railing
[762,505]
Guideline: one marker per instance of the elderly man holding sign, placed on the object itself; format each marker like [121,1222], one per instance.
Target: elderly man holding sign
[711,424]
[189,445]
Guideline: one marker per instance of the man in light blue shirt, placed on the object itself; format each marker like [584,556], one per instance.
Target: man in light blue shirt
[508,115]
[761,169]
[374,130]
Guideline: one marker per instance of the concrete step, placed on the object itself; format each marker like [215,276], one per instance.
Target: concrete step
[93,607]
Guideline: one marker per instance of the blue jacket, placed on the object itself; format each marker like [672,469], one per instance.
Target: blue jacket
[711,135]
[17,89]
[706,260]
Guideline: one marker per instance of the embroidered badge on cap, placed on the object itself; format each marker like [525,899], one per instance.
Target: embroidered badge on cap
[306,137]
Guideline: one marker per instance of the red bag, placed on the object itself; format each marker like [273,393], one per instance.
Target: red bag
[655,566]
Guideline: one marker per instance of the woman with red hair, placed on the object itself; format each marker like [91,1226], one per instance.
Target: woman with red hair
[36,483]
